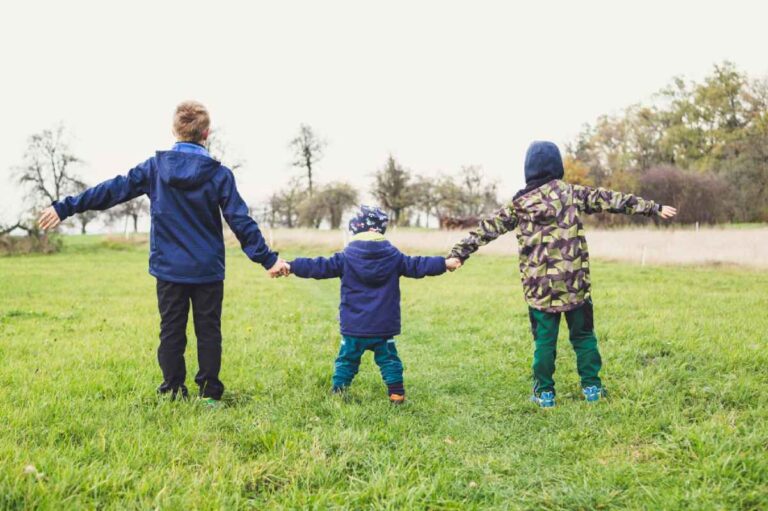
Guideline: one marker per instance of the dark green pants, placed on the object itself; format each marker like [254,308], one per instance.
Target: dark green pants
[351,351]
[545,327]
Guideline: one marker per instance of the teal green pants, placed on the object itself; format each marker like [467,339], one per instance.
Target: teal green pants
[545,327]
[351,351]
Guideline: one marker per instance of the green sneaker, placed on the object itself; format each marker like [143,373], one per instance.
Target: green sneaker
[209,402]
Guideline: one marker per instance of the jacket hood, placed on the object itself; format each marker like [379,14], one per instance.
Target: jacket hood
[185,170]
[543,162]
[373,262]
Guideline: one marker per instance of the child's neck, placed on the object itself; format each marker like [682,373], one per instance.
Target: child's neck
[191,142]
[368,236]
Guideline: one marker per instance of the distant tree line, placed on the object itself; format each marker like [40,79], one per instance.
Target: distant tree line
[701,146]
[410,199]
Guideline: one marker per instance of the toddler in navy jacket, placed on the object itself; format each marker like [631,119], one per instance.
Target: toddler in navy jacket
[370,268]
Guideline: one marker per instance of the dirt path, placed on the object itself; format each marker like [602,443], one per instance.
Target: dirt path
[741,246]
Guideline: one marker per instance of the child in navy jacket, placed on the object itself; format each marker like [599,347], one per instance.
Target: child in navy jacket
[370,269]
[189,192]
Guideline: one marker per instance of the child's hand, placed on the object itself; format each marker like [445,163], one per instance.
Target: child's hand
[48,218]
[667,212]
[280,269]
[453,263]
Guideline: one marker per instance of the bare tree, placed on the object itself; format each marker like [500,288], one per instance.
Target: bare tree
[220,150]
[284,204]
[133,210]
[7,229]
[480,195]
[86,217]
[307,150]
[392,189]
[47,171]
[425,196]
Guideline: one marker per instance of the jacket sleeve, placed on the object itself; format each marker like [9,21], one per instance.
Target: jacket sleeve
[109,193]
[245,228]
[596,200]
[418,267]
[319,267]
[503,221]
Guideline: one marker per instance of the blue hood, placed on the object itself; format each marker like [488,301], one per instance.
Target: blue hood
[372,262]
[185,170]
[543,162]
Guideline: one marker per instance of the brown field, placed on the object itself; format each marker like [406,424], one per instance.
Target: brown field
[730,246]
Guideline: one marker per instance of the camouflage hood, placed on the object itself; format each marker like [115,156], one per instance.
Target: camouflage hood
[554,258]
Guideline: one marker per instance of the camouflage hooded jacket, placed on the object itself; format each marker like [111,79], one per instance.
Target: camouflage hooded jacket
[554,260]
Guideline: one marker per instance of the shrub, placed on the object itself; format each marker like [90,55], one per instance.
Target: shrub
[30,244]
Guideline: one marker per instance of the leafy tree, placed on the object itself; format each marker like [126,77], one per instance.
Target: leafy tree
[328,203]
[449,199]
[425,196]
[392,189]
[697,195]
[337,198]
[715,126]
[576,172]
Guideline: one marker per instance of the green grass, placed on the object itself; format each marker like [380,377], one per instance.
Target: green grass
[685,357]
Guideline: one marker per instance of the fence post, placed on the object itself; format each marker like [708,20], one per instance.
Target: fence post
[642,257]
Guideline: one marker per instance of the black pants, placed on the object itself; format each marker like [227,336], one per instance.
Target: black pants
[173,301]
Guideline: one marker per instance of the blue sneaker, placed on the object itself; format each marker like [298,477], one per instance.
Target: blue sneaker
[593,394]
[544,400]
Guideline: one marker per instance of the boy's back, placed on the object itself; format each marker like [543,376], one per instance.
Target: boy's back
[189,192]
[554,258]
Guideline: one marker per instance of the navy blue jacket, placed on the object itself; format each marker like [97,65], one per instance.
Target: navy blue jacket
[188,194]
[370,274]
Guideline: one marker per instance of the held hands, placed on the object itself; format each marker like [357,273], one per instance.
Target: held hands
[453,263]
[280,269]
[48,219]
[667,212]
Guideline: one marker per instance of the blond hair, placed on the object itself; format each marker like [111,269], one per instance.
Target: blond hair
[191,121]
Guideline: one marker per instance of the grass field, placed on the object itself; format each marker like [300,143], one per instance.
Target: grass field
[686,424]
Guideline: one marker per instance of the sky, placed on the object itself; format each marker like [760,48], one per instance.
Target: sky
[439,84]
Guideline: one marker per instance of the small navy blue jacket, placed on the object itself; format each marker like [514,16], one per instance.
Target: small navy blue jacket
[370,274]
[189,192]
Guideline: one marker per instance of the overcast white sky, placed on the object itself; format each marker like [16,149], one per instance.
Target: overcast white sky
[439,84]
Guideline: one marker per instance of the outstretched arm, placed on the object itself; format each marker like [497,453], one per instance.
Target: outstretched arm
[245,228]
[102,196]
[319,267]
[417,267]
[596,200]
[503,221]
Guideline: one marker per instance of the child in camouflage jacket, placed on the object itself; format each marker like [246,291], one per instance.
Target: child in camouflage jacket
[554,261]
